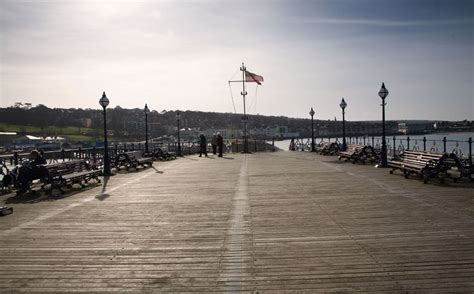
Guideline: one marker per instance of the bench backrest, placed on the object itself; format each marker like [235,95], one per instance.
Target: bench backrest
[422,155]
[67,167]
[134,154]
[424,158]
[354,148]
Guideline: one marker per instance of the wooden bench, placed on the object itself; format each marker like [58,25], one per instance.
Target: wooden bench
[72,172]
[57,175]
[328,148]
[422,163]
[458,168]
[358,153]
[132,159]
[160,154]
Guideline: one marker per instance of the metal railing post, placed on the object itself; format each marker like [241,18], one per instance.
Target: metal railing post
[470,152]
[394,146]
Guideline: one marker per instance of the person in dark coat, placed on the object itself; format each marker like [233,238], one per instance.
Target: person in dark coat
[203,145]
[214,144]
[220,144]
[31,170]
[37,158]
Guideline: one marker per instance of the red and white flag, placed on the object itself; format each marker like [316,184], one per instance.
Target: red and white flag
[253,78]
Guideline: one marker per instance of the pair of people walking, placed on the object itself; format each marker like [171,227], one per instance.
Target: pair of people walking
[217,144]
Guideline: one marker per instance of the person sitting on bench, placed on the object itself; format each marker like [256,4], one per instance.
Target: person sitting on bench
[31,170]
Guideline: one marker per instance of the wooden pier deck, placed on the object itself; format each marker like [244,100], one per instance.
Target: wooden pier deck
[267,222]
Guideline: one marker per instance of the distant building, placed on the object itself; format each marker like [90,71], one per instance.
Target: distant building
[26,142]
[421,127]
[6,138]
[32,142]
[277,132]
[86,122]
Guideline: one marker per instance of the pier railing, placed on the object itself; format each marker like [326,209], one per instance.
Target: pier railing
[396,145]
[96,154]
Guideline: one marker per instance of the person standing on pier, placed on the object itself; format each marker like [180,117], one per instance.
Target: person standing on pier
[220,143]
[203,145]
[214,144]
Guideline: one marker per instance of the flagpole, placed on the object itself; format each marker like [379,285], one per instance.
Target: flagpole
[244,93]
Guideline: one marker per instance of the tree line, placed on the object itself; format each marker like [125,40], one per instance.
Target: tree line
[130,122]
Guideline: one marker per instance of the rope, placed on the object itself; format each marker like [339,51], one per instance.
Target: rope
[255,97]
[230,88]
[232,97]
[254,101]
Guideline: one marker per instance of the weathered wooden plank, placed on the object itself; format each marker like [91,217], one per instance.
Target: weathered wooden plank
[263,222]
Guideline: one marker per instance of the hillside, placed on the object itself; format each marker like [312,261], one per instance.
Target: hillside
[87,124]
[129,124]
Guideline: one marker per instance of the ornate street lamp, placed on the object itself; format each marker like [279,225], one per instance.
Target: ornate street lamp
[312,130]
[147,111]
[383,93]
[178,118]
[343,107]
[104,102]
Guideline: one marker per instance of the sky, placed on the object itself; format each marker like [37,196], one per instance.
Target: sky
[181,55]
